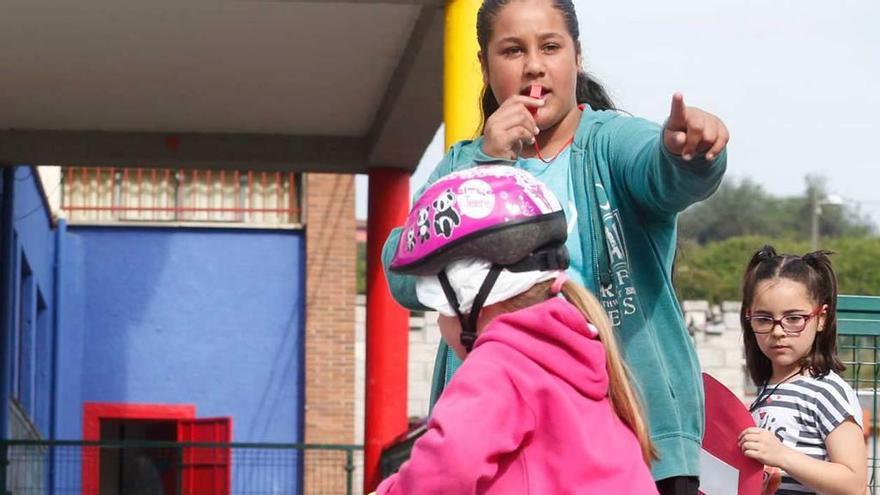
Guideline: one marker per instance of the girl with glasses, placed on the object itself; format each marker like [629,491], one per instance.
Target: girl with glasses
[809,419]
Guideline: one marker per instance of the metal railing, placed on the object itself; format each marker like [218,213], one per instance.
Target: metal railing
[858,343]
[189,196]
[38,467]
[67,467]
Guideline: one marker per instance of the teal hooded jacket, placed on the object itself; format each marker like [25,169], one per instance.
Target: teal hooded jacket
[628,191]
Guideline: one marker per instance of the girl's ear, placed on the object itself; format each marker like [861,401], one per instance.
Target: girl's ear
[580,62]
[822,315]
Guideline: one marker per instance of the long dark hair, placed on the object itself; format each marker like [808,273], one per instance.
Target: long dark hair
[588,89]
[814,271]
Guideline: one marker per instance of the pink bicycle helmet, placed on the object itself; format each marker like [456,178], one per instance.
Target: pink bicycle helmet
[498,213]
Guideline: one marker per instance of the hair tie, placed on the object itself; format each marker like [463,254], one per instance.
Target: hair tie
[816,259]
[810,259]
[766,253]
[556,288]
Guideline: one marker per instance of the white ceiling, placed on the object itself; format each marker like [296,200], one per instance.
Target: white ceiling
[285,75]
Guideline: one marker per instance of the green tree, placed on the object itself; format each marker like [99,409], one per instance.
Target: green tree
[744,207]
[714,271]
[857,264]
[834,221]
[737,208]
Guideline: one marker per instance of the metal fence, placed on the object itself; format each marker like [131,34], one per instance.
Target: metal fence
[176,468]
[106,195]
[95,468]
[858,323]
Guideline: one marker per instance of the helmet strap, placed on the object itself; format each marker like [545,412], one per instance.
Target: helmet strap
[469,324]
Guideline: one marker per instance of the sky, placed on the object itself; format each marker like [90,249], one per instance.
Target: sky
[795,81]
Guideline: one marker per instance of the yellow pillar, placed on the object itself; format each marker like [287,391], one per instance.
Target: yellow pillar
[462,79]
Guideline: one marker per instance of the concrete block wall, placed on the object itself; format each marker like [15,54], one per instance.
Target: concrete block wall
[718,340]
[424,337]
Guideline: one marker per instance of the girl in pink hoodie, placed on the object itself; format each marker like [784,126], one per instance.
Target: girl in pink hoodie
[543,403]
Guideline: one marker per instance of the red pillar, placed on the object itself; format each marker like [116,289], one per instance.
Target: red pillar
[387,324]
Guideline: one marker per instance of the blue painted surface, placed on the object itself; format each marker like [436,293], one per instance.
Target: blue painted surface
[6,248]
[36,236]
[33,240]
[208,317]
[55,327]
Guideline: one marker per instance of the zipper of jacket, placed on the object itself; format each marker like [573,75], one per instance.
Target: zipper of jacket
[594,248]
[596,224]
[584,181]
[589,184]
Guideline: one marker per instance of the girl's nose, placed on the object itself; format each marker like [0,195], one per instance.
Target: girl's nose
[777,330]
[534,64]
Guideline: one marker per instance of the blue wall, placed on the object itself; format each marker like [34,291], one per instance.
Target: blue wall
[28,332]
[209,317]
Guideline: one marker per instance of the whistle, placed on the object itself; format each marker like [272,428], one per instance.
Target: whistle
[534,92]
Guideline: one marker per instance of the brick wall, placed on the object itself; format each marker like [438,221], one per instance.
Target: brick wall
[330,323]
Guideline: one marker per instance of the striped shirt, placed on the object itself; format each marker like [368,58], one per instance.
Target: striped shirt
[802,413]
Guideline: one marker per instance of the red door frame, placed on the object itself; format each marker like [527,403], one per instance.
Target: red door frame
[94,412]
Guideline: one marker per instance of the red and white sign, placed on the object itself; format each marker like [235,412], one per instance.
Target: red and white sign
[724,470]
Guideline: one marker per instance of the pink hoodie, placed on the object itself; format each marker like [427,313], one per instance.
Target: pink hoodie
[527,412]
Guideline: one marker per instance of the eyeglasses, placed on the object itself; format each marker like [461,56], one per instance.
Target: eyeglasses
[793,324]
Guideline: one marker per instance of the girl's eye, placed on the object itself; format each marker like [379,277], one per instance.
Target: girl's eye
[793,319]
[551,48]
[761,321]
[513,50]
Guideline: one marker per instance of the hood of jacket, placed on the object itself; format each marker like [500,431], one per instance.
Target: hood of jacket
[555,335]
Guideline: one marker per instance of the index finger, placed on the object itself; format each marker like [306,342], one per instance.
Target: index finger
[518,104]
[751,429]
[526,100]
[676,120]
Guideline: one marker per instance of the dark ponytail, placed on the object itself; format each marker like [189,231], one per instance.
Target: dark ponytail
[588,91]
[815,272]
[592,93]
[824,356]
[759,366]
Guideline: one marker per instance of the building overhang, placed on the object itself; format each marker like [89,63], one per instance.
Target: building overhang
[316,86]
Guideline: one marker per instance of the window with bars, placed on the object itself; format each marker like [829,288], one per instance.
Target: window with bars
[208,197]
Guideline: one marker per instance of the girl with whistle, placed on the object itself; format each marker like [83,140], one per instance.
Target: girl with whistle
[622,182]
